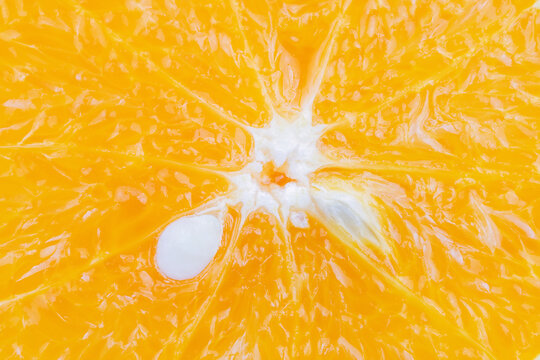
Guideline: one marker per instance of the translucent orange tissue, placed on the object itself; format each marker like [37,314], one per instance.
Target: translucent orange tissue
[419,235]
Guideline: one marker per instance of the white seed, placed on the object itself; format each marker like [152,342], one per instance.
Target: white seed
[188,245]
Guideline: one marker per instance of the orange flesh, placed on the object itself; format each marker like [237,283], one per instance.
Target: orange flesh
[272,175]
[120,116]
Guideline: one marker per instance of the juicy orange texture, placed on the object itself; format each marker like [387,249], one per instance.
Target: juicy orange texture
[117,117]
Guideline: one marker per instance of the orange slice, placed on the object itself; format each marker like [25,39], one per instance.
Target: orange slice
[374,167]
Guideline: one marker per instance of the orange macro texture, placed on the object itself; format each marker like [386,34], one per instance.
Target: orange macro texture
[118,117]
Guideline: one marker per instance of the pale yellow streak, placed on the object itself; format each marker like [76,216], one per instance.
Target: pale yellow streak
[414,298]
[264,90]
[438,76]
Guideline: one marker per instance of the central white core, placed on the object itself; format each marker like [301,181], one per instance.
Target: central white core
[292,142]
[288,144]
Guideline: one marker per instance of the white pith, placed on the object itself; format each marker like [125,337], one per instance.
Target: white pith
[283,142]
[289,142]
